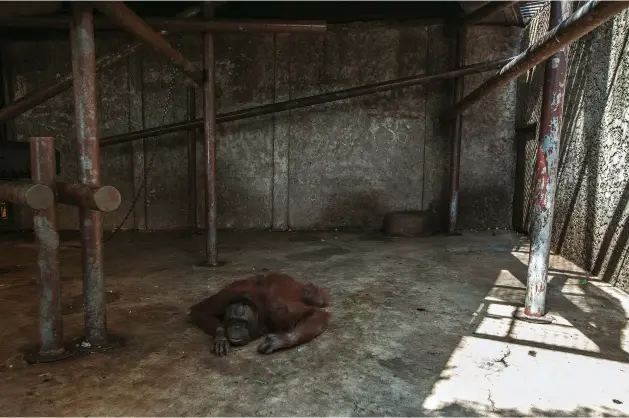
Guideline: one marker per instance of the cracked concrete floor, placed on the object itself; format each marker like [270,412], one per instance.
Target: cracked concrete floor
[419,327]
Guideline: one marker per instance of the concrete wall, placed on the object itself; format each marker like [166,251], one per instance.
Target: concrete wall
[590,224]
[342,164]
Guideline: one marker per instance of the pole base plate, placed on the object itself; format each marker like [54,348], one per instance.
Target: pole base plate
[85,347]
[34,355]
[453,234]
[519,314]
[206,265]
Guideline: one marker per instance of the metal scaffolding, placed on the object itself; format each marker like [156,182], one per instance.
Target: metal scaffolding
[92,198]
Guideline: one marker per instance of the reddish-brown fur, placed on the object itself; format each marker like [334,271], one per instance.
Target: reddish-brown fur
[288,308]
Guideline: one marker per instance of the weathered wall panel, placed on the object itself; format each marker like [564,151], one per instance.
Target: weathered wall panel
[354,160]
[591,224]
[342,164]
[488,145]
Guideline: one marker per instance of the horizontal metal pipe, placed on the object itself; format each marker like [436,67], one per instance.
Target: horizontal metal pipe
[178,25]
[100,198]
[39,96]
[35,196]
[132,23]
[585,20]
[308,101]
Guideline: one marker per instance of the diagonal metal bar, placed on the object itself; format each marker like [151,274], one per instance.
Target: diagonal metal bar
[132,23]
[178,25]
[485,11]
[584,20]
[40,95]
[309,101]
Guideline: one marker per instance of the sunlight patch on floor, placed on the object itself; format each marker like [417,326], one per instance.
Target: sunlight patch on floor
[512,367]
[493,375]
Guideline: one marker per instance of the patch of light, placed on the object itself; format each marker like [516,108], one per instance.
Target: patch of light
[506,278]
[490,376]
[495,327]
[554,335]
[501,294]
[496,309]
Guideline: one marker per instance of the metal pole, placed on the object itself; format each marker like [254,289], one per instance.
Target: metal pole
[51,347]
[39,96]
[132,23]
[33,195]
[178,25]
[209,140]
[485,11]
[457,130]
[546,176]
[100,198]
[585,20]
[309,101]
[86,122]
[192,161]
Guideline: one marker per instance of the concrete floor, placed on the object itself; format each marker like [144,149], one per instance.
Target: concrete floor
[419,327]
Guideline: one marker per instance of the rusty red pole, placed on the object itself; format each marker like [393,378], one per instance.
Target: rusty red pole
[546,176]
[86,122]
[584,20]
[209,140]
[457,131]
[52,348]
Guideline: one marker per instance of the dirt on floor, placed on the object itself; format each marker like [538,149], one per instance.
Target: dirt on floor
[420,326]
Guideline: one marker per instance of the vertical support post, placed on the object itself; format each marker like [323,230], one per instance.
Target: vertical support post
[51,347]
[546,176]
[281,134]
[209,137]
[138,148]
[457,130]
[91,226]
[192,161]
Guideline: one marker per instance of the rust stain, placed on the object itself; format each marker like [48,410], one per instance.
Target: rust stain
[541,174]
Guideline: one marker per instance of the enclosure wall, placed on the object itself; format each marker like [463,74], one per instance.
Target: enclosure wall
[342,164]
[590,224]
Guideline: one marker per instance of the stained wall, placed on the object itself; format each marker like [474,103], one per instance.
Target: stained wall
[337,165]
